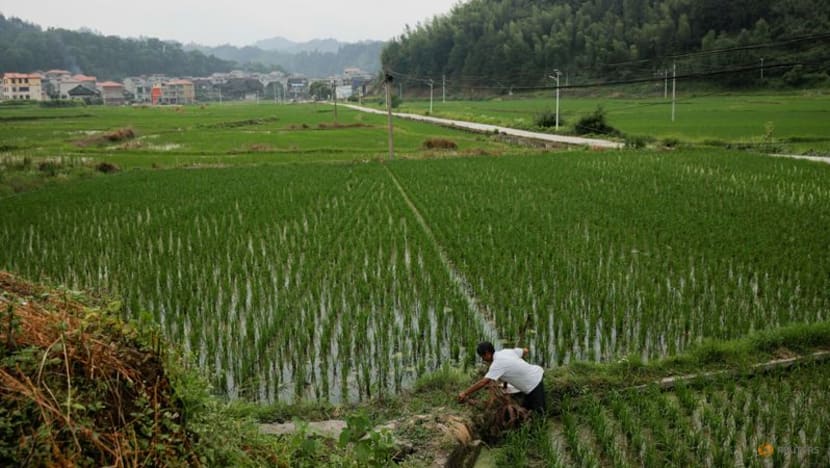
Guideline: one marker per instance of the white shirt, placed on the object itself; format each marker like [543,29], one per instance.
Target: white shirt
[508,366]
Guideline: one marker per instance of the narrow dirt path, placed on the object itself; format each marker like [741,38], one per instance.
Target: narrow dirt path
[479,310]
[484,128]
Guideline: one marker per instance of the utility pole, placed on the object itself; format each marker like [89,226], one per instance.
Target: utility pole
[762,68]
[220,95]
[334,97]
[444,88]
[431,83]
[388,84]
[674,92]
[666,83]
[556,77]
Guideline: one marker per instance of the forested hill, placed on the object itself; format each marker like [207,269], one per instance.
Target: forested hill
[25,47]
[514,43]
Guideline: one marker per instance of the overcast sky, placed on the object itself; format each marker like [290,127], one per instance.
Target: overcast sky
[239,22]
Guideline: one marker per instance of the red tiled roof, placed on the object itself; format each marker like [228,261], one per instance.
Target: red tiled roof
[57,72]
[83,78]
[110,84]
[21,75]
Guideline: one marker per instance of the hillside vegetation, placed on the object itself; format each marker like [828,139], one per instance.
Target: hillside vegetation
[25,47]
[504,44]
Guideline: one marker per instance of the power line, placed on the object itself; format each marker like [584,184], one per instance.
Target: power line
[519,81]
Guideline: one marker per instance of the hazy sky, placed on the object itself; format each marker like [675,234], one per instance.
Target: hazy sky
[238,22]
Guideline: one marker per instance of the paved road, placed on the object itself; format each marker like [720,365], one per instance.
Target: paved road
[568,140]
[484,128]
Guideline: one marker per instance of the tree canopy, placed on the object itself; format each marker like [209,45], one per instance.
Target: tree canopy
[507,43]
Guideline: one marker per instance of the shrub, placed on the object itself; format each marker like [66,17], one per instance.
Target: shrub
[107,167]
[61,103]
[670,142]
[440,143]
[595,123]
[635,142]
[51,168]
[547,119]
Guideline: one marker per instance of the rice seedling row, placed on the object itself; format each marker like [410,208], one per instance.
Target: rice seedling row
[777,419]
[601,257]
[282,283]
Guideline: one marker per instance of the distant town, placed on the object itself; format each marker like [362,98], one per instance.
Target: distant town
[237,85]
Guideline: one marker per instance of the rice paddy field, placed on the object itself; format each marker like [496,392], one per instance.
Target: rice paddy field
[774,419]
[213,135]
[792,123]
[327,275]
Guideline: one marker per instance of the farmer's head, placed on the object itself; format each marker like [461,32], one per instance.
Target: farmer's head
[486,350]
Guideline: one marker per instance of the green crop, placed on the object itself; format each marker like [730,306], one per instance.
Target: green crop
[336,282]
[602,256]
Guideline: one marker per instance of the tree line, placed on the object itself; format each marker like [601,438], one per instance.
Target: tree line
[25,47]
[502,44]
[363,55]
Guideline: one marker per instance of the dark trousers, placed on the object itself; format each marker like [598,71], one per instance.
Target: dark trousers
[535,400]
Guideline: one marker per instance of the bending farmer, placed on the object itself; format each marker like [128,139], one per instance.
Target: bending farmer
[509,366]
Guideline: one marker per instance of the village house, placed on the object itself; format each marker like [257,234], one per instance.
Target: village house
[112,93]
[22,87]
[139,87]
[173,92]
[70,83]
[52,80]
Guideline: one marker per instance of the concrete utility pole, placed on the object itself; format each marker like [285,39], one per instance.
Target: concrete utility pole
[762,68]
[674,92]
[431,83]
[666,83]
[444,88]
[388,84]
[334,97]
[556,77]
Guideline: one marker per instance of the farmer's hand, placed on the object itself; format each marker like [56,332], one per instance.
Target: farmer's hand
[525,352]
[462,397]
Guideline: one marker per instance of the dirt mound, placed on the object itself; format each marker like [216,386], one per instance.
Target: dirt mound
[76,387]
[115,136]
